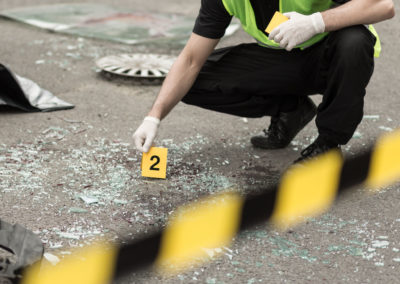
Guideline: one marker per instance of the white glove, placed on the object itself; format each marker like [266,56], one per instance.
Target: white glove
[146,133]
[297,30]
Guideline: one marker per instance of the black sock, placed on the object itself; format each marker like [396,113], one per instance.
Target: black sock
[289,104]
[326,141]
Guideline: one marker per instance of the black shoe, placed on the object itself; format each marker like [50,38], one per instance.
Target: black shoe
[318,147]
[285,126]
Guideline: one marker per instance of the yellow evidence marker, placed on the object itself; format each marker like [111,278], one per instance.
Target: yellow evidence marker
[154,163]
[277,19]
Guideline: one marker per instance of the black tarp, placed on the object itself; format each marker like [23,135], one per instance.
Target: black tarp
[26,95]
[19,248]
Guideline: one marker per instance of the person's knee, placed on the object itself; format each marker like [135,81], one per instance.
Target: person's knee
[354,42]
[184,99]
[187,99]
[191,99]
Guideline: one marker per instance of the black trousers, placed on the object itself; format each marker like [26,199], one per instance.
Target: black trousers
[249,80]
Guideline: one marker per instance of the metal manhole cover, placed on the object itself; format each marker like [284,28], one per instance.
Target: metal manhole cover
[137,65]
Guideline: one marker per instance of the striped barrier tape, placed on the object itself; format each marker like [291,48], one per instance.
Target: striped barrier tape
[305,191]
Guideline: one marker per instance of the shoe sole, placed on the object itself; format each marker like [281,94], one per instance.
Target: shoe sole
[259,143]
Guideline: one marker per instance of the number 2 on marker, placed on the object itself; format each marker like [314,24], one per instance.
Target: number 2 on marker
[153,167]
[154,163]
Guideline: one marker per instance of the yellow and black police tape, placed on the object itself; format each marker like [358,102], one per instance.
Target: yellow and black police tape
[304,191]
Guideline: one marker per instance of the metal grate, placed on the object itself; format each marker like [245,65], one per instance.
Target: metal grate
[137,65]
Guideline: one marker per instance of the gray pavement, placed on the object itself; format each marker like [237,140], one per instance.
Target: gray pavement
[49,163]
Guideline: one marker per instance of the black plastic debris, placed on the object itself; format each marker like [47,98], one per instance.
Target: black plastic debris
[19,248]
[26,95]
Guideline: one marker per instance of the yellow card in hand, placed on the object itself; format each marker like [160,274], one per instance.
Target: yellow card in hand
[277,19]
[154,163]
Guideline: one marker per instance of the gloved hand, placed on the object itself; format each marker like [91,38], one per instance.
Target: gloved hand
[297,30]
[145,134]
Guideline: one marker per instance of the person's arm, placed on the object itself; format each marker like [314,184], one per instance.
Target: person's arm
[178,82]
[183,74]
[301,28]
[358,12]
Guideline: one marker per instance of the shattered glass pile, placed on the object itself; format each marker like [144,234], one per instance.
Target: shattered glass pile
[96,180]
